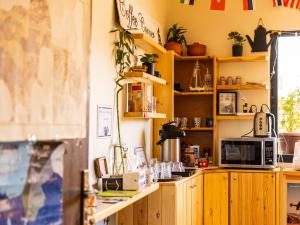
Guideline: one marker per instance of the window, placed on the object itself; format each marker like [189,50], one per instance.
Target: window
[285,93]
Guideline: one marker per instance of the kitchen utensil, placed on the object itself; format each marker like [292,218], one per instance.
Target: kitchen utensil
[183,122]
[197,122]
[263,123]
[196,49]
[170,142]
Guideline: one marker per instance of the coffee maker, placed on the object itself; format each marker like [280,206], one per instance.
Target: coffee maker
[170,142]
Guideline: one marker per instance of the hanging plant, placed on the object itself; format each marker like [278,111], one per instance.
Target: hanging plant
[124,50]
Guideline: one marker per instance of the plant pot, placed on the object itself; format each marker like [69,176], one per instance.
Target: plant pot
[196,49]
[287,142]
[237,50]
[173,46]
[150,68]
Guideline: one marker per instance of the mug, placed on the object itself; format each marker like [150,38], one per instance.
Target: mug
[209,122]
[177,121]
[197,122]
[184,121]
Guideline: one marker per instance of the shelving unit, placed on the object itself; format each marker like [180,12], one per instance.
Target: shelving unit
[178,93]
[195,104]
[191,58]
[250,58]
[198,129]
[144,115]
[144,77]
[235,117]
[147,44]
[243,87]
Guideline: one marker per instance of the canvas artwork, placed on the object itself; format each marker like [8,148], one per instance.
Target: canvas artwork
[31,183]
[43,68]
[293,203]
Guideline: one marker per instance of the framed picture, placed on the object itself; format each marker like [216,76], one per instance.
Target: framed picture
[293,203]
[140,157]
[101,169]
[227,103]
[104,121]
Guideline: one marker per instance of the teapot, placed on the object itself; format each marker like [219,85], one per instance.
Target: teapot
[260,38]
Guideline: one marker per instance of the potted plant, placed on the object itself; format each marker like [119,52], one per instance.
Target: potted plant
[149,60]
[176,39]
[238,39]
[124,50]
[289,121]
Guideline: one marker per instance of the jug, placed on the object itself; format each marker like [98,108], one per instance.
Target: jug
[260,38]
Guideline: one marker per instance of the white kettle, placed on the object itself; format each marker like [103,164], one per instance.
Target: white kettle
[296,160]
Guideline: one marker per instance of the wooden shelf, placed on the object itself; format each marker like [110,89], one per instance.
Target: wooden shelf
[147,44]
[250,58]
[144,115]
[243,87]
[144,77]
[198,129]
[235,117]
[104,210]
[193,93]
[191,58]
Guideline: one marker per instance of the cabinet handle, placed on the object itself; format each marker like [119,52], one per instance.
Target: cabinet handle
[157,215]
[234,178]
[195,185]
[210,212]
[191,187]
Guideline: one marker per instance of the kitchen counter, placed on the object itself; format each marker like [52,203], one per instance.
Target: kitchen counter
[284,171]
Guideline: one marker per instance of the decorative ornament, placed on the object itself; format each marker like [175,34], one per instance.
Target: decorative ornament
[260,38]
[217,5]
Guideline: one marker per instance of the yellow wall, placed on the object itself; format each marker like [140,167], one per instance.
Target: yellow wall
[102,75]
[211,28]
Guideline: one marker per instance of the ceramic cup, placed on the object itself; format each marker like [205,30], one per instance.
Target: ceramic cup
[197,122]
[183,122]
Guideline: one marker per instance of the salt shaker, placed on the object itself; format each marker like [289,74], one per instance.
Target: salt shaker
[229,80]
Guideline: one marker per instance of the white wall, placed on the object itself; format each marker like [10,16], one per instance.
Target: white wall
[102,75]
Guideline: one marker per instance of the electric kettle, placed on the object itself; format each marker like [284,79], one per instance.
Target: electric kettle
[263,123]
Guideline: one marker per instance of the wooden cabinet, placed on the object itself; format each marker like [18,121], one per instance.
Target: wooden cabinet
[216,199]
[252,198]
[182,203]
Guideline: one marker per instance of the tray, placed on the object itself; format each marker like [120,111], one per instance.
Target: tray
[186,173]
[173,178]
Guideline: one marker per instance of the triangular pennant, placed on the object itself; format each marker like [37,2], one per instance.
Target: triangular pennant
[248,4]
[188,2]
[277,3]
[217,5]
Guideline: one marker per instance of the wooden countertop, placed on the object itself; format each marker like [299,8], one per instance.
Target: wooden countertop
[103,210]
[285,171]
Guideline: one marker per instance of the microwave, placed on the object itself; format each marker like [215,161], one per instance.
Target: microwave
[255,153]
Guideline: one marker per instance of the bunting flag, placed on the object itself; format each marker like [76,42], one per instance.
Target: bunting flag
[217,5]
[277,3]
[249,4]
[188,2]
[291,3]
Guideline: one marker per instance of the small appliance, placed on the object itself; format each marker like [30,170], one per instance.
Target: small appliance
[256,153]
[263,123]
[170,142]
[296,160]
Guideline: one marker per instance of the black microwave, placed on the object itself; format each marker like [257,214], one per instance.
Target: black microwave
[256,153]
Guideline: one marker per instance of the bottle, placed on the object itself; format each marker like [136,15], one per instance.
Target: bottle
[245,108]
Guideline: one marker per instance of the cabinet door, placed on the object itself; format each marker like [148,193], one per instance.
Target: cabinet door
[154,208]
[216,199]
[189,201]
[181,205]
[252,199]
[197,200]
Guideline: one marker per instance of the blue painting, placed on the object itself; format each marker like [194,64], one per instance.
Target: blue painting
[31,183]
